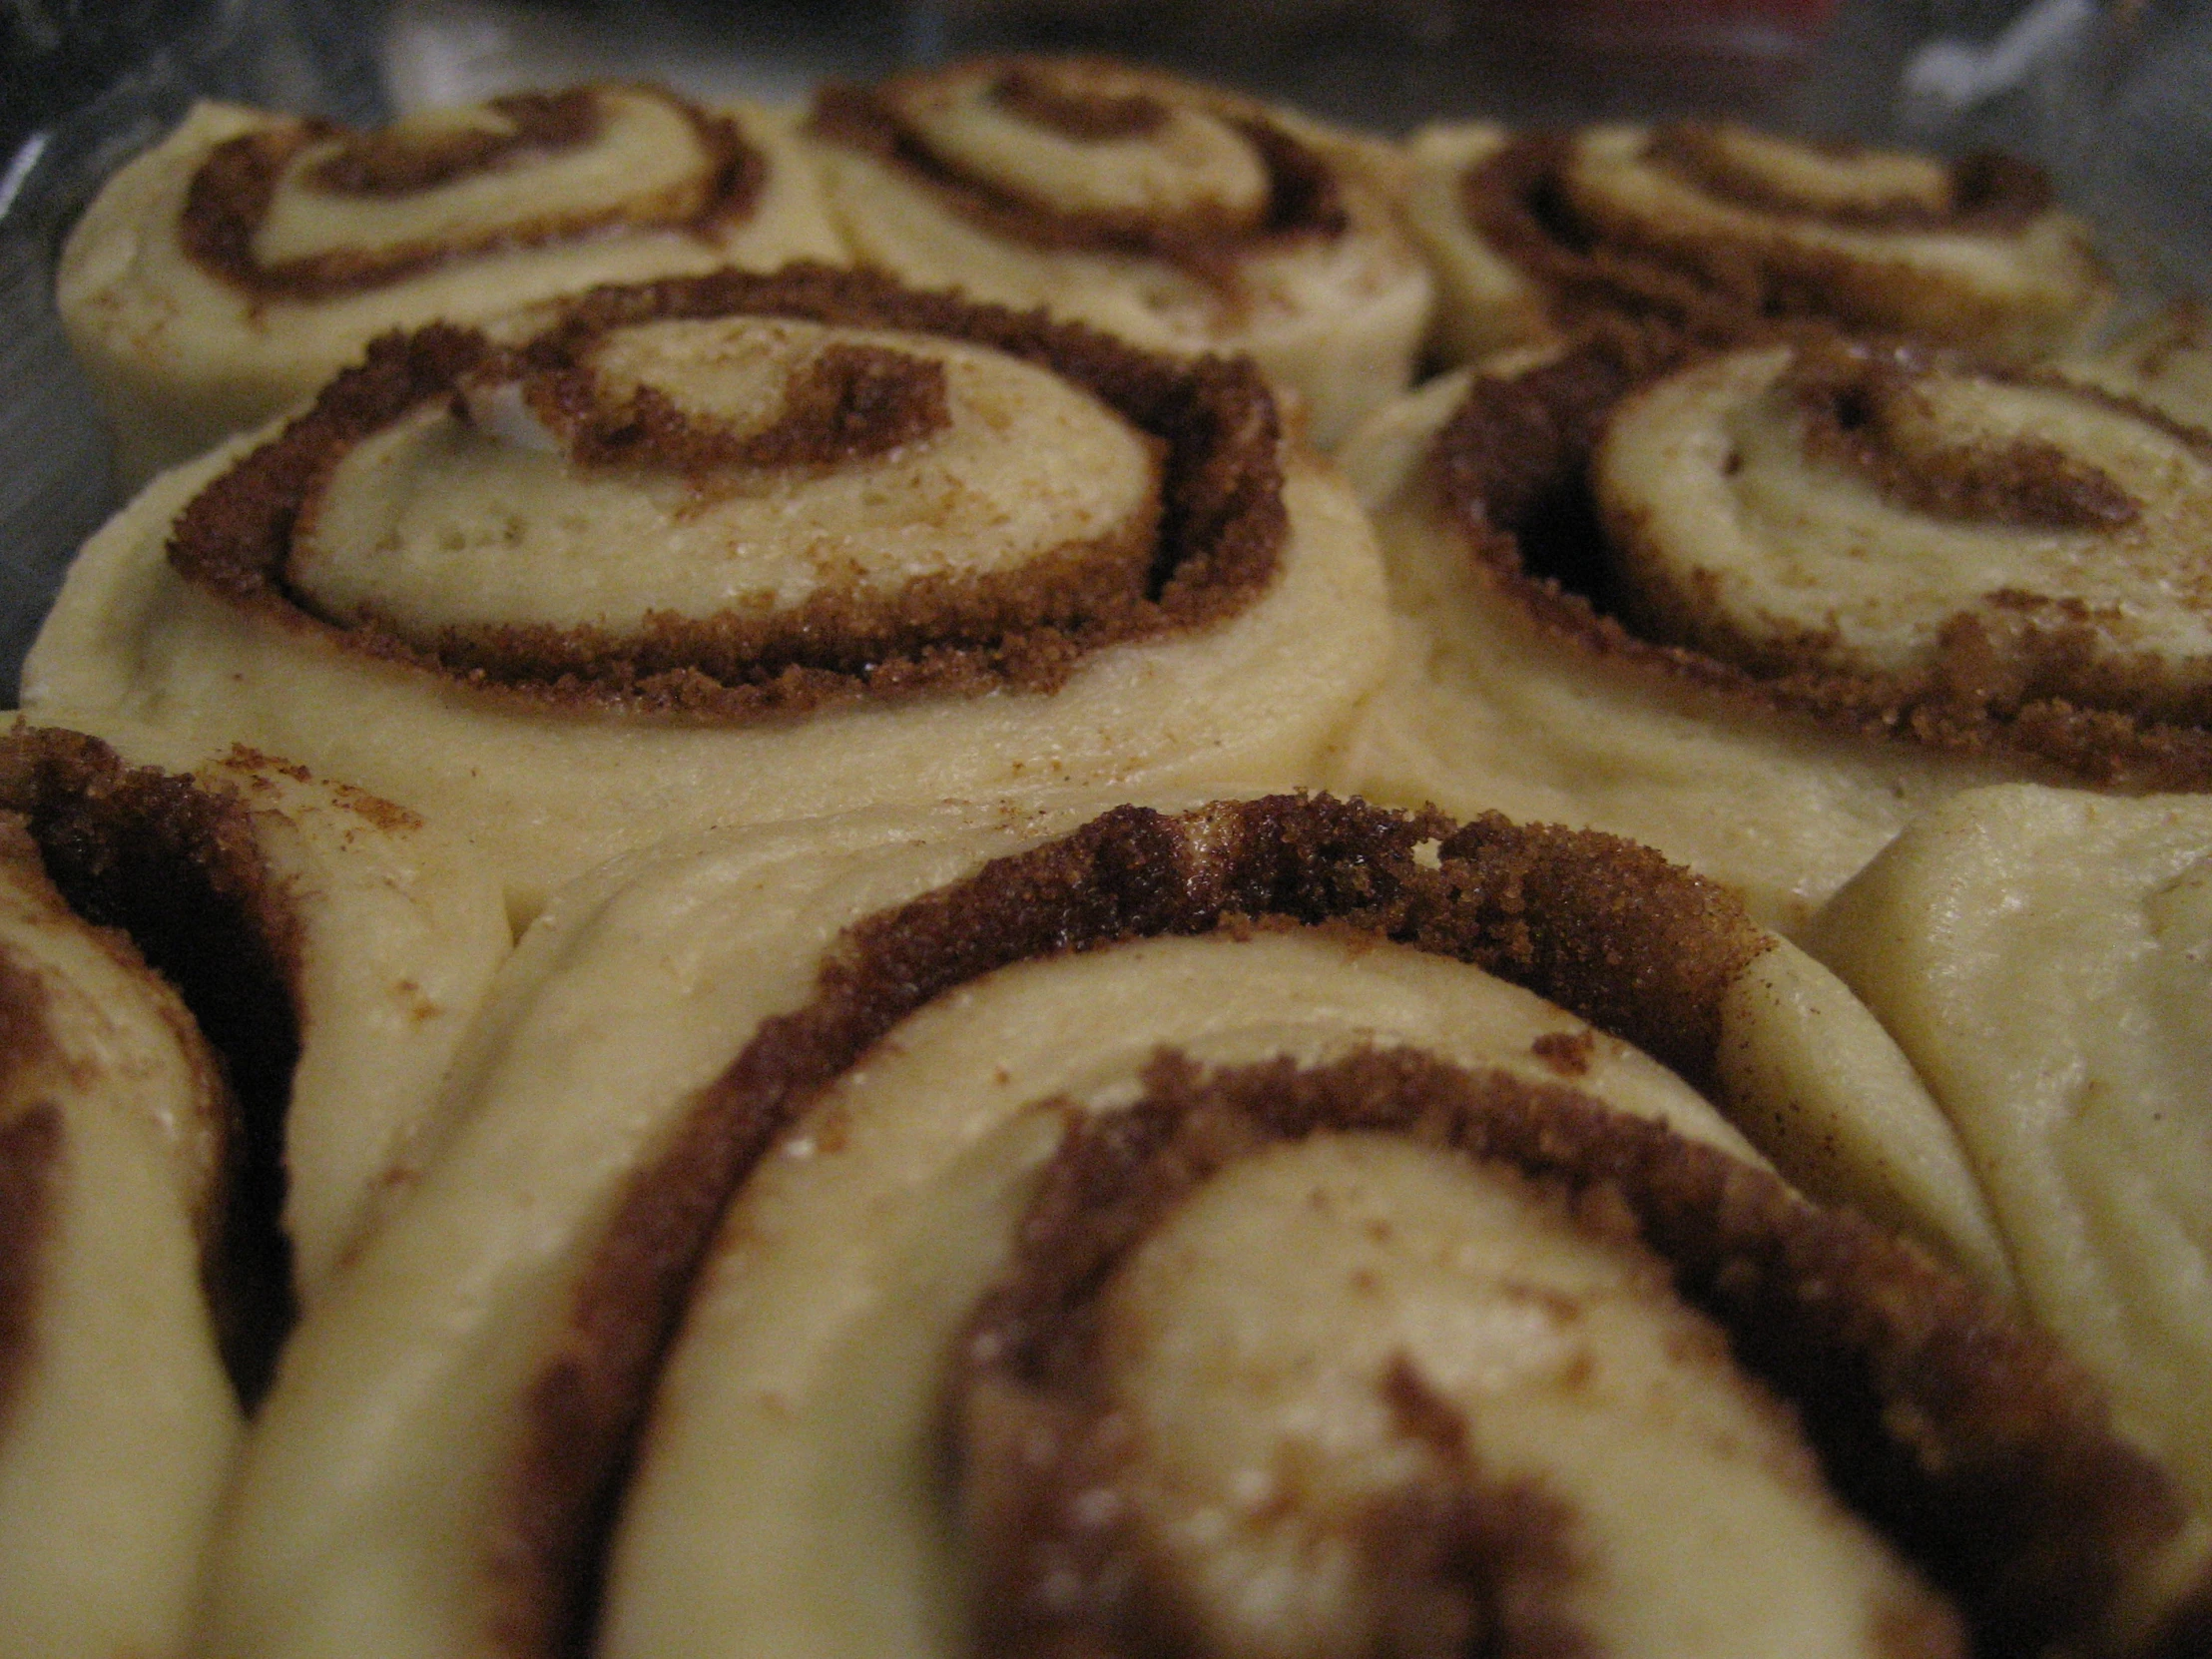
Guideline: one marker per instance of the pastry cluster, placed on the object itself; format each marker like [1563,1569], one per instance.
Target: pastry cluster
[1042,863]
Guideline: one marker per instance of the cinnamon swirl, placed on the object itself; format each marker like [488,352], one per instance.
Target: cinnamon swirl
[1758,607]
[237,266]
[373,937]
[732,549]
[2046,957]
[1179,215]
[117,1423]
[1720,229]
[225,1003]
[1284,1365]
[874,1031]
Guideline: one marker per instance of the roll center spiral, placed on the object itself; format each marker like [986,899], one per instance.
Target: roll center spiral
[1273,1380]
[735,471]
[1091,140]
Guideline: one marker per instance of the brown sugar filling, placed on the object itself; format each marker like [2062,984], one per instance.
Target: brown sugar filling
[1989,192]
[175,870]
[30,1161]
[1462,1561]
[1218,541]
[849,403]
[1304,198]
[230,194]
[1466,1562]
[1607,929]
[1910,1424]
[1514,201]
[396,163]
[35,1152]
[1852,401]
[1512,471]
[1971,1441]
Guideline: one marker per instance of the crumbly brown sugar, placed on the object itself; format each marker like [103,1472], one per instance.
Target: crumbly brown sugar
[399,163]
[1512,201]
[852,402]
[1087,114]
[1853,401]
[1746,282]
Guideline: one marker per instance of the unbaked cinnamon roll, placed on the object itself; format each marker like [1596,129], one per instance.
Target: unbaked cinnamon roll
[1722,230]
[1389,1356]
[225,1001]
[2046,957]
[370,937]
[117,1421]
[732,549]
[1176,215]
[237,266]
[1758,606]
[755,1121]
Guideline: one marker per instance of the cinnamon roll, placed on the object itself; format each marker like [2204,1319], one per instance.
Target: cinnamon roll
[779,1098]
[228,272]
[1758,606]
[1179,215]
[2046,957]
[1284,1365]
[117,1421]
[733,549]
[369,938]
[1720,230]
[223,1001]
